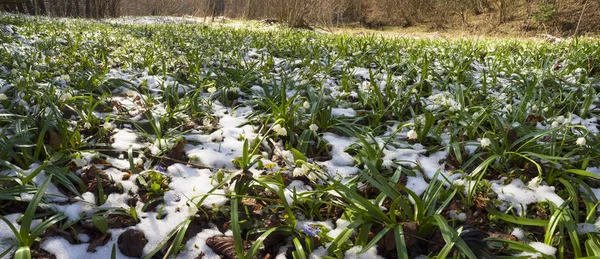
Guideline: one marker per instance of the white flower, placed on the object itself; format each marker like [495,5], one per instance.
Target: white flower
[3,97]
[281,131]
[306,105]
[87,125]
[212,90]
[412,134]
[554,124]
[313,127]
[509,108]
[485,142]
[138,161]
[534,183]
[65,77]
[80,162]
[366,86]
[206,123]
[560,119]
[64,97]
[107,125]
[130,93]
[300,171]
[580,141]
[534,108]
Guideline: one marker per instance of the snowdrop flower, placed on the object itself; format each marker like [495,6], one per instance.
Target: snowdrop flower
[534,183]
[3,97]
[281,131]
[554,124]
[80,162]
[485,142]
[130,93]
[212,90]
[107,125]
[509,108]
[306,105]
[580,141]
[313,127]
[87,125]
[412,134]
[206,123]
[560,119]
[300,171]
[534,108]
[65,77]
[64,97]
[366,86]
[138,161]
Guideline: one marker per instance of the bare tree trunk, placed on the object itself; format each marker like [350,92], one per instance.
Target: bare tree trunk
[41,7]
[88,8]
[21,7]
[501,11]
[30,7]
[77,9]
[69,7]
[114,8]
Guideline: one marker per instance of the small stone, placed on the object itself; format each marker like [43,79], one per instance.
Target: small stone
[131,243]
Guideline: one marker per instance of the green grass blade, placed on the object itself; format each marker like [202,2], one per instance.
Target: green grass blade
[176,245]
[236,229]
[401,250]
[30,211]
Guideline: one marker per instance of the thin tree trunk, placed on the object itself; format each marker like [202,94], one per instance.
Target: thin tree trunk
[69,7]
[41,7]
[30,7]
[77,9]
[88,8]
[21,7]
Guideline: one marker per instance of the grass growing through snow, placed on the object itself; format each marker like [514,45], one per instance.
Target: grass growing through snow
[297,143]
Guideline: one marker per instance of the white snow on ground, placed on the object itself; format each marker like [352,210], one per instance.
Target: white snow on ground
[541,248]
[64,250]
[197,245]
[125,139]
[353,253]
[52,193]
[348,112]
[219,148]
[518,195]
[190,184]
[341,163]
[7,238]
[75,211]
